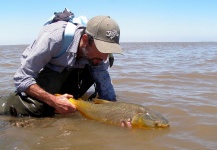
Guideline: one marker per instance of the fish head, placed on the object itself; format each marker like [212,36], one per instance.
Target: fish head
[149,119]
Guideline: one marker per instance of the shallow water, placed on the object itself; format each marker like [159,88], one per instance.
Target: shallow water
[177,79]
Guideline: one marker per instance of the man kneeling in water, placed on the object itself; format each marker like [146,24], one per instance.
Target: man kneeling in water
[86,61]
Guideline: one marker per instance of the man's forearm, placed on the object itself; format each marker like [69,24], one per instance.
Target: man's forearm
[37,92]
[60,103]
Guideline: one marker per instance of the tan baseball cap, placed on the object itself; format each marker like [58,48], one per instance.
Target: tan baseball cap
[106,34]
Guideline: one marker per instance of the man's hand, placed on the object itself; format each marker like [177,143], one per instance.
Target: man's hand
[63,105]
[59,102]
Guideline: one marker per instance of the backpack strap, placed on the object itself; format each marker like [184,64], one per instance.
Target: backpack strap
[67,38]
[69,33]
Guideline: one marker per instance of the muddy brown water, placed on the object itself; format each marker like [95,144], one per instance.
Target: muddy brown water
[177,79]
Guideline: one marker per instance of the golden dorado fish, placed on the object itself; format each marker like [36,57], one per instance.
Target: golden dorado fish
[116,112]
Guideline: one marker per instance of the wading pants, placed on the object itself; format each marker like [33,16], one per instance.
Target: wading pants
[75,82]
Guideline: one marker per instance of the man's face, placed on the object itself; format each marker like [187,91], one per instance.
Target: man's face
[94,56]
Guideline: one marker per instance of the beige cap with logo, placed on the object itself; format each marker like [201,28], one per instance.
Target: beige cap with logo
[106,34]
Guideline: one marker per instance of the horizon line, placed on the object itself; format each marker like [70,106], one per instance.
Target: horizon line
[140,42]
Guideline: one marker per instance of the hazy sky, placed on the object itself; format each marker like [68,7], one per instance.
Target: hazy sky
[139,20]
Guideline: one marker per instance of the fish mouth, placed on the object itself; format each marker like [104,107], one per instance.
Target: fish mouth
[162,124]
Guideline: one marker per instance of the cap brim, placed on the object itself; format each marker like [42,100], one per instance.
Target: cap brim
[106,47]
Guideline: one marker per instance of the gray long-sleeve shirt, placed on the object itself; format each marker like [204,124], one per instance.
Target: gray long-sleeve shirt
[42,52]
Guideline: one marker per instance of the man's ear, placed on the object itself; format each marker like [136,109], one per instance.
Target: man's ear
[85,39]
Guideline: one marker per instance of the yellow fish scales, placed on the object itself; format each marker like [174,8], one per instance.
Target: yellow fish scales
[116,112]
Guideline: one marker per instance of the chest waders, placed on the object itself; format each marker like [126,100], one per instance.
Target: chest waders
[19,104]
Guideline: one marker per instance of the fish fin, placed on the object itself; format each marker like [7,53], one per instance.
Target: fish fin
[100,101]
[72,100]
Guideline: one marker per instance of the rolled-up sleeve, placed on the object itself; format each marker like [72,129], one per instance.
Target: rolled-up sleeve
[103,81]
